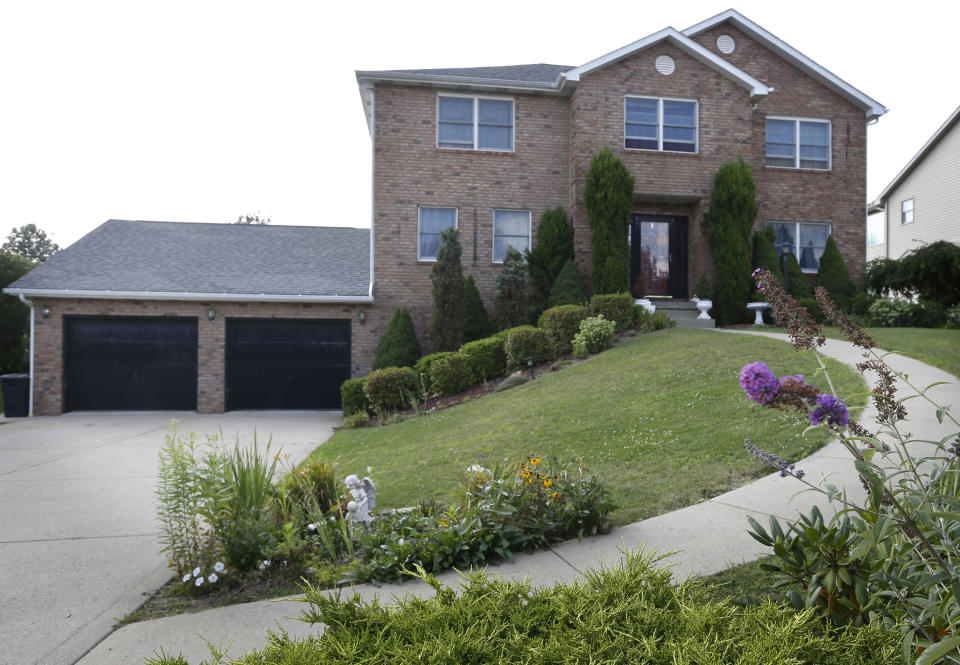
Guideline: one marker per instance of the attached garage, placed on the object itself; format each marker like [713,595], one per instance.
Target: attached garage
[130,363]
[286,363]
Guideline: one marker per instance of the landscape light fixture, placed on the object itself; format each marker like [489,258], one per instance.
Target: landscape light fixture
[529,360]
[786,266]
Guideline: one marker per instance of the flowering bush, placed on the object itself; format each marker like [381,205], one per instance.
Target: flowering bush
[892,559]
[596,334]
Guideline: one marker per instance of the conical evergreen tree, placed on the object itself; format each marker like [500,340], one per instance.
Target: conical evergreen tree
[399,346]
[568,288]
[765,257]
[834,277]
[511,300]
[554,247]
[608,196]
[476,323]
[446,315]
[798,286]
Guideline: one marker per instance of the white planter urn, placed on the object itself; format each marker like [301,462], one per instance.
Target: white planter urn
[646,304]
[704,306]
[757,308]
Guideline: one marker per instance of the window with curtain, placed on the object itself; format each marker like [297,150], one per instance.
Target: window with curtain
[432,222]
[798,144]
[807,240]
[511,228]
[653,123]
[475,123]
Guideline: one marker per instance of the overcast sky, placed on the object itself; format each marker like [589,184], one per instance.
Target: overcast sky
[204,111]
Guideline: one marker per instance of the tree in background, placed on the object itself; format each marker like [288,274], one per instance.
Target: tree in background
[511,303]
[569,287]
[30,242]
[930,272]
[765,257]
[608,196]
[476,322]
[727,222]
[399,346]
[798,287]
[834,276]
[554,248]
[14,315]
[252,219]
[446,315]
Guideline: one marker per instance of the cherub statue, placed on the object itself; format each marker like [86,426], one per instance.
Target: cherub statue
[364,499]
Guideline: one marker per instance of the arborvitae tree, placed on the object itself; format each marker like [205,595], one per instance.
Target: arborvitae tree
[727,222]
[14,315]
[798,287]
[554,247]
[476,323]
[511,285]
[568,288]
[834,277]
[399,346]
[765,257]
[608,196]
[446,315]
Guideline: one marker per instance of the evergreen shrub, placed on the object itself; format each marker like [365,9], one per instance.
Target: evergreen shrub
[596,334]
[527,341]
[554,248]
[704,291]
[476,322]
[616,307]
[424,366]
[392,389]
[511,303]
[398,346]
[660,321]
[488,356]
[562,324]
[765,258]
[608,197]
[569,287]
[834,277]
[799,287]
[452,374]
[352,398]
[890,313]
[447,312]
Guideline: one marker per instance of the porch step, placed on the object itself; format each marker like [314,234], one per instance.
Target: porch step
[684,312]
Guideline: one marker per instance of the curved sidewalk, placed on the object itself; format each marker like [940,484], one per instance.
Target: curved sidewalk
[706,537]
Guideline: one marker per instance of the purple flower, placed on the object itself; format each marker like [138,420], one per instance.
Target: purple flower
[759,382]
[831,410]
[791,377]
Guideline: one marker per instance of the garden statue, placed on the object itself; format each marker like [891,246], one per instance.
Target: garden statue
[364,499]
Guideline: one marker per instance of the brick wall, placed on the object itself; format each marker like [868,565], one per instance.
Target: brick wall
[48,359]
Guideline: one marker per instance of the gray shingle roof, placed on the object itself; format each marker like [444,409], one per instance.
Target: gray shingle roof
[176,257]
[536,73]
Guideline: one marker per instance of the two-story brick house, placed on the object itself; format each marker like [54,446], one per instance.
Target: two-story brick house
[215,317]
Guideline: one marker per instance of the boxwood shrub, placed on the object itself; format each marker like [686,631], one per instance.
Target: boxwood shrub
[352,398]
[526,341]
[423,366]
[562,324]
[392,389]
[616,307]
[488,356]
[452,374]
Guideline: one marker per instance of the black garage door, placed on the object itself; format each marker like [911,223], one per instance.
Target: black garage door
[286,363]
[121,363]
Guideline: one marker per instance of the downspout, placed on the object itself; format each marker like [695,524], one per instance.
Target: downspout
[373,167]
[29,303]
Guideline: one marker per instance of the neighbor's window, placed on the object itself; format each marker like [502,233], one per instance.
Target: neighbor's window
[807,241]
[475,123]
[432,223]
[511,228]
[653,123]
[906,211]
[798,144]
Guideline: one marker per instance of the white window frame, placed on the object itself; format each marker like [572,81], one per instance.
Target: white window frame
[904,211]
[796,142]
[493,224]
[476,121]
[660,101]
[796,235]
[456,225]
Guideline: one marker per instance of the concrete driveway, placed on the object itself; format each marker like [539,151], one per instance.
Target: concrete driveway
[78,536]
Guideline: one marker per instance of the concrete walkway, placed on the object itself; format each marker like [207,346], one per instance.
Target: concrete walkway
[78,532]
[708,537]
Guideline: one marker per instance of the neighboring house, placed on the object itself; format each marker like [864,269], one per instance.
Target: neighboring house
[922,204]
[275,317]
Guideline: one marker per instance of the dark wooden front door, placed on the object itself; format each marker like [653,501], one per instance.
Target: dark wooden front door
[658,256]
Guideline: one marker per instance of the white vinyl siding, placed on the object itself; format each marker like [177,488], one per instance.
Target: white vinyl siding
[660,123]
[798,143]
[511,228]
[431,222]
[475,123]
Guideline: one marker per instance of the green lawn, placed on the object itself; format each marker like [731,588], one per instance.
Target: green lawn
[935,346]
[660,417]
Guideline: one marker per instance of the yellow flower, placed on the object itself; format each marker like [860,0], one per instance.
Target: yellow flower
[556,495]
[547,482]
[535,461]
[525,474]
[529,480]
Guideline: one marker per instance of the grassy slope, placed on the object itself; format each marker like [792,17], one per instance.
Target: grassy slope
[661,418]
[934,346]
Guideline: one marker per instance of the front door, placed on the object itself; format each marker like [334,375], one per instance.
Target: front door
[658,256]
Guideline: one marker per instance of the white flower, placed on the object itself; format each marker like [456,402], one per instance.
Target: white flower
[198,582]
[310,570]
[266,563]
[218,566]
[196,571]
[186,578]
[312,526]
[212,578]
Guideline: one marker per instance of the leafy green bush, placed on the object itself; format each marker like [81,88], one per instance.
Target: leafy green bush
[608,197]
[569,287]
[399,346]
[512,381]
[660,321]
[423,366]
[476,323]
[554,248]
[452,374]
[352,397]
[309,486]
[392,389]
[596,334]
[488,357]
[952,318]
[930,272]
[562,323]
[528,342]
[834,277]
[511,303]
[616,307]
[890,313]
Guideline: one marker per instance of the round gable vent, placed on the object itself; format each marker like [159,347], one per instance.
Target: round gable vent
[665,65]
[726,44]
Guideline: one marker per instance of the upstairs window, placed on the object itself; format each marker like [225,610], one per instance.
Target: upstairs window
[798,144]
[653,123]
[806,240]
[511,228]
[906,211]
[432,222]
[475,123]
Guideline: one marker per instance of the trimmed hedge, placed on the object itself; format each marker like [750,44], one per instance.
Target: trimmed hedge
[616,307]
[489,358]
[352,398]
[392,389]
[423,366]
[452,374]
[562,324]
[528,342]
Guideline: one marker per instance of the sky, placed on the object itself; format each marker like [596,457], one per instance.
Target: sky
[204,111]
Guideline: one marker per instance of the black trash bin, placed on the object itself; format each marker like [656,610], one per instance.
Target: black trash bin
[16,395]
